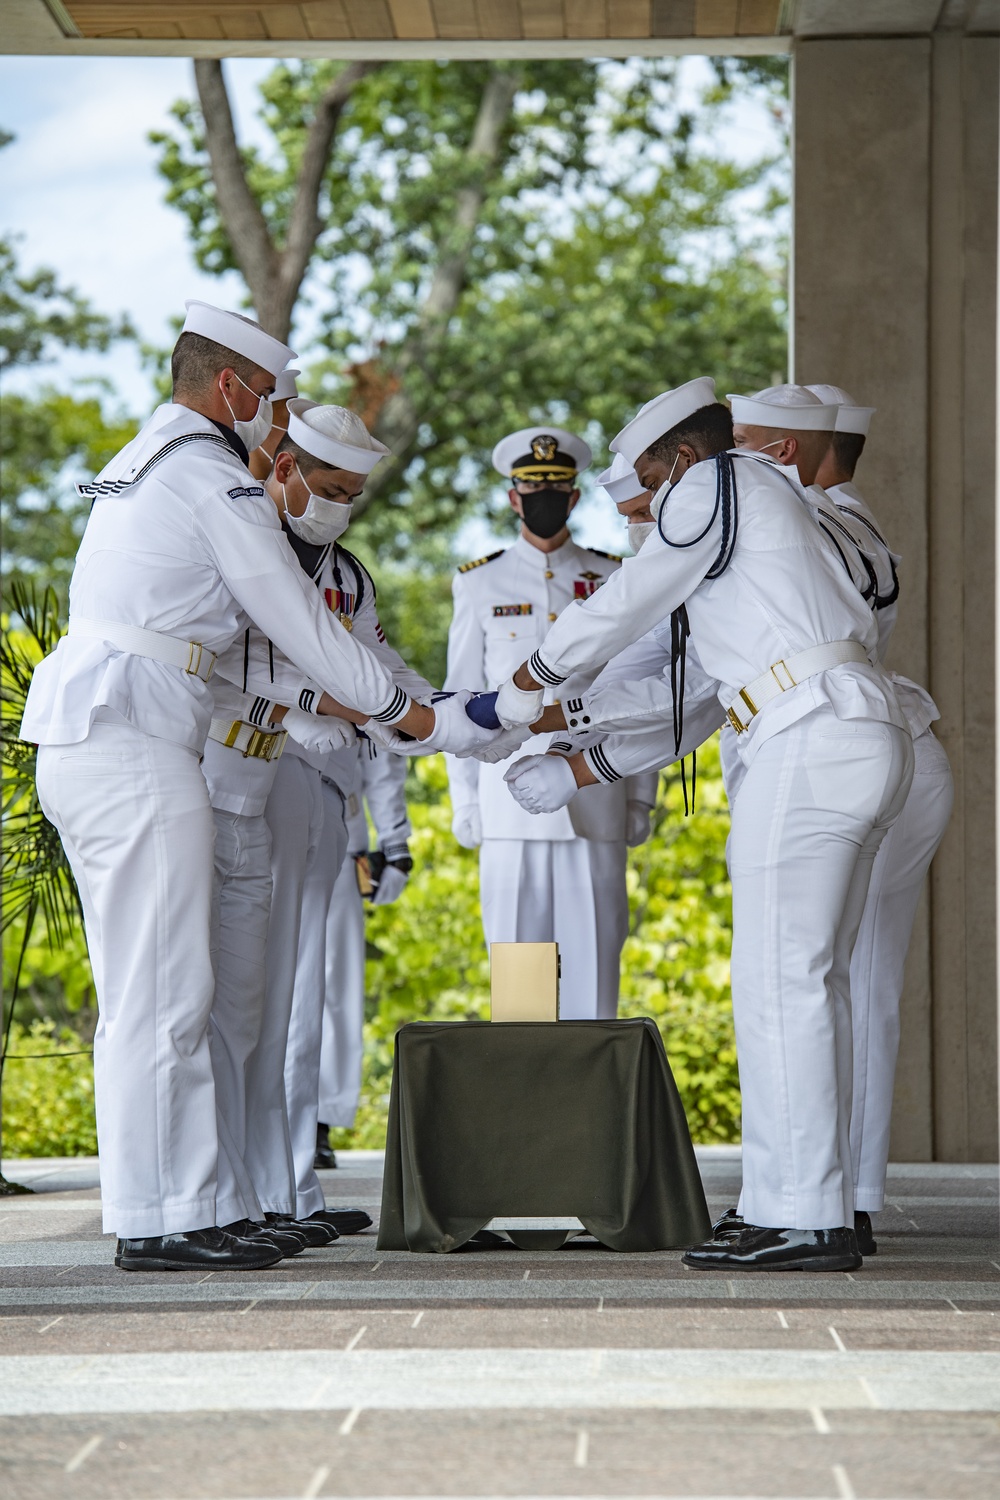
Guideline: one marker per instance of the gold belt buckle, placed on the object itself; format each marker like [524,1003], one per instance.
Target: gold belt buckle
[264,744]
[784,686]
[735,720]
[193,667]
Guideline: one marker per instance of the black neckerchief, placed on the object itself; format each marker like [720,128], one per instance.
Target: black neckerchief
[235,442]
[309,555]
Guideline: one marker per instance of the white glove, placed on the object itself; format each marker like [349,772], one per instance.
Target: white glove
[467,825]
[392,883]
[638,816]
[391,739]
[320,732]
[541,783]
[454,731]
[518,705]
[503,744]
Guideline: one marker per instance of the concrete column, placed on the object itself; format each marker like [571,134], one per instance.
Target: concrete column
[895,256]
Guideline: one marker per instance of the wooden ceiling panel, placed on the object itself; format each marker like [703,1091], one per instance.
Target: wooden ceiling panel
[422,20]
[412,20]
[499,20]
[716,17]
[586,18]
[632,18]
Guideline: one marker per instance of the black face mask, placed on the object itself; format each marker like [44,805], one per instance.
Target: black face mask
[545,511]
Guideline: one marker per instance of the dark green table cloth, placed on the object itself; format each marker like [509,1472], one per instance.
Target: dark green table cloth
[566,1119]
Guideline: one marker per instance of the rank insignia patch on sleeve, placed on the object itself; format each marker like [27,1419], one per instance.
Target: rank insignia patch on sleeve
[248,491]
[504,611]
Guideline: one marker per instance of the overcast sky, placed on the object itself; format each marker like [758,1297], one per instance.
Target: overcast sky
[80,188]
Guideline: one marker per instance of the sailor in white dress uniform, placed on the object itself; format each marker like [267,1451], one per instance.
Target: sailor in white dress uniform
[559,878]
[383,873]
[780,626]
[181,544]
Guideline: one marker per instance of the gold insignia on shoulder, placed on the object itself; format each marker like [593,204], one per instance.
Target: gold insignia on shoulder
[543,448]
[611,556]
[590,575]
[478,563]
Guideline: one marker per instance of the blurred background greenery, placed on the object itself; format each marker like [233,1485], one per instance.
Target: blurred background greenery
[491,245]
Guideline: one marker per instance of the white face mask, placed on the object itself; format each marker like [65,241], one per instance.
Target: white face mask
[638,531]
[254,432]
[322,520]
[656,503]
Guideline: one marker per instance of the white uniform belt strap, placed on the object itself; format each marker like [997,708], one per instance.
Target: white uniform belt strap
[191,657]
[259,744]
[783,675]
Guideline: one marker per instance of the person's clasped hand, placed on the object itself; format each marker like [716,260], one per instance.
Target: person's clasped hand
[541,783]
[518,705]
[320,732]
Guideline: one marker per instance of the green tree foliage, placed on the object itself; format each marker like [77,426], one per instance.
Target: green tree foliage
[50,438]
[49,1093]
[609,258]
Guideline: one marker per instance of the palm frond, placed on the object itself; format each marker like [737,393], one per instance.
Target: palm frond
[36,875]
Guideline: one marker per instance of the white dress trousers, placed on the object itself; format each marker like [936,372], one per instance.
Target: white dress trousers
[295,818]
[132,811]
[344,1011]
[305,1031]
[817,801]
[241,908]
[879,958]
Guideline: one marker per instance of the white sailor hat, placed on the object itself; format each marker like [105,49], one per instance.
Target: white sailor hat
[621,481]
[284,385]
[850,416]
[792,408]
[242,335]
[661,414]
[540,453]
[335,435]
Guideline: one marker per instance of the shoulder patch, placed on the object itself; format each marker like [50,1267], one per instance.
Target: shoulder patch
[467,567]
[611,556]
[246,490]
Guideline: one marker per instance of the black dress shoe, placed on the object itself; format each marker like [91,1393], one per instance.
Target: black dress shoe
[324,1160]
[315,1235]
[284,1240]
[343,1220]
[865,1234]
[729,1226]
[760,1249]
[197,1250]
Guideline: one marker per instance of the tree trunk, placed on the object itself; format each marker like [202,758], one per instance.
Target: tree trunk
[399,421]
[274,277]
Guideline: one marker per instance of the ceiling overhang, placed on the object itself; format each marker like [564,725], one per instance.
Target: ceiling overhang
[385,29]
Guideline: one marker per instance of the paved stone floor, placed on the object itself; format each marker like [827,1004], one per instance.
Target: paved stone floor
[350,1372]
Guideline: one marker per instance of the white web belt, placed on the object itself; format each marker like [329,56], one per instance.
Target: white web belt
[189,656]
[783,675]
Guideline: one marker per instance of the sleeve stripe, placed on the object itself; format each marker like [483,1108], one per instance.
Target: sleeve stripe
[306,700]
[395,709]
[600,764]
[541,673]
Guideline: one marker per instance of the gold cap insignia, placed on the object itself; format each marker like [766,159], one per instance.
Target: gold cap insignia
[543,448]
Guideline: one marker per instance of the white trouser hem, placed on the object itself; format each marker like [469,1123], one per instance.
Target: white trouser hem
[233,1208]
[338,1117]
[278,1206]
[812,1210]
[309,1202]
[146,1223]
[869,1200]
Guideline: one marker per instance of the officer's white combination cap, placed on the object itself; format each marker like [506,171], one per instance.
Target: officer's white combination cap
[621,481]
[660,415]
[242,335]
[334,435]
[541,453]
[850,416]
[786,408]
[285,388]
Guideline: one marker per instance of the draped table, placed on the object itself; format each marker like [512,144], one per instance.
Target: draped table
[537,1120]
